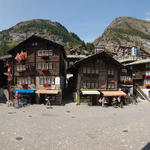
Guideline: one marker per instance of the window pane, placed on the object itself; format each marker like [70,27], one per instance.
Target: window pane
[92,85]
[88,85]
[84,69]
[39,53]
[88,70]
[50,65]
[53,81]
[97,70]
[50,52]
[84,84]
[96,85]
[46,52]
[39,66]
[41,80]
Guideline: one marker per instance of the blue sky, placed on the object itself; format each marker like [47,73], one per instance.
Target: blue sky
[87,18]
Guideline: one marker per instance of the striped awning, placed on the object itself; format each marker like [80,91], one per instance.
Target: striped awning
[113,93]
[47,91]
[90,92]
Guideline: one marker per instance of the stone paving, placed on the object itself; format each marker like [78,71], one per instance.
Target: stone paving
[72,127]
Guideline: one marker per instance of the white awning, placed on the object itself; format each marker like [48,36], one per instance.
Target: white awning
[91,92]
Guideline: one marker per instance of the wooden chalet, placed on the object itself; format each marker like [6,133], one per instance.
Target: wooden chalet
[140,71]
[95,74]
[4,61]
[38,69]
[141,76]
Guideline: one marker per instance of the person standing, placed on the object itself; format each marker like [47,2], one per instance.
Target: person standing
[47,99]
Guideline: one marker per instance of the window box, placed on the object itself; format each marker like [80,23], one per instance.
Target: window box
[23,84]
[46,84]
[44,55]
[147,85]
[20,71]
[44,69]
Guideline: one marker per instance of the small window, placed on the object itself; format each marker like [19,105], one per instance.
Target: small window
[41,81]
[88,70]
[50,65]
[53,81]
[84,84]
[93,70]
[39,53]
[24,80]
[97,71]
[96,85]
[50,52]
[92,85]
[88,85]
[84,69]
[110,72]
[21,67]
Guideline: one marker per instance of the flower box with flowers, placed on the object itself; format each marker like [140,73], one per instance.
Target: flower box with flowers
[44,69]
[147,85]
[147,76]
[44,55]
[46,84]
[19,71]
[23,84]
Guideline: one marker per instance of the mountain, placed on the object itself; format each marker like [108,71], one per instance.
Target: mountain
[126,31]
[53,31]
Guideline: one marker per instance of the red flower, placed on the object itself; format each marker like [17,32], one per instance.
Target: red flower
[44,55]
[23,84]
[44,69]
[46,84]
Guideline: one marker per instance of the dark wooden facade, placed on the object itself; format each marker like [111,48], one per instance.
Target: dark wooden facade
[96,72]
[43,67]
[140,72]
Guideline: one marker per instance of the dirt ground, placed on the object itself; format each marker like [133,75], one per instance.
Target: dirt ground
[73,127]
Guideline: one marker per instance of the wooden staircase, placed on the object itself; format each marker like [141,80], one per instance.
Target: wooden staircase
[141,93]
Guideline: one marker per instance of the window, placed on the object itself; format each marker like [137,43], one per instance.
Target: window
[45,66]
[110,71]
[84,69]
[50,52]
[96,85]
[88,70]
[111,85]
[34,44]
[93,70]
[84,85]
[47,80]
[24,80]
[90,85]
[97,71]
[21,67]
[71,63]
[45,52]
